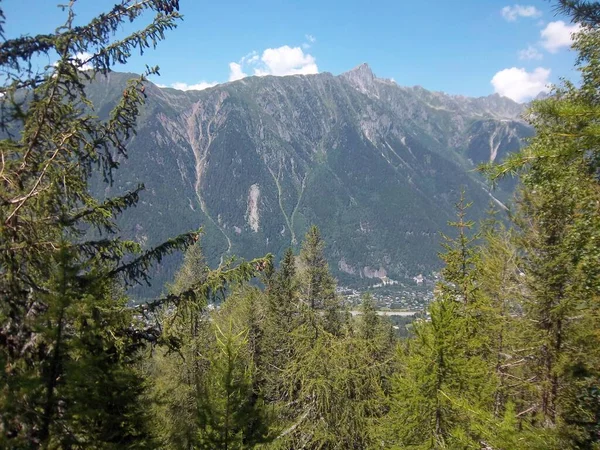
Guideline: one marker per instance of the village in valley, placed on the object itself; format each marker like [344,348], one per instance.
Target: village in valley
[393,297]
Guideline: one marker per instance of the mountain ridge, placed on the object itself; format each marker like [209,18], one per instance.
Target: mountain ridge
[365,72]
[256,161]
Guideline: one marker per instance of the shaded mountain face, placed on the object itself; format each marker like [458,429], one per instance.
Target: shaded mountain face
[376,166]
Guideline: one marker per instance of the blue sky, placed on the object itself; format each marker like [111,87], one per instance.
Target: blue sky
[467,47]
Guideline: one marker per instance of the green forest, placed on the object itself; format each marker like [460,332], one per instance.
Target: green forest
[507,357]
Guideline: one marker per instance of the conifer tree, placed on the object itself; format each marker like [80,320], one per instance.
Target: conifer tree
[188,371]
[282,293]
[498,278]
[282,317]
[460,257]
[67,342]
[175,370]
[443,388]
[369,321]
[337,394]
[229,413]
[317,285]
[559,222]
[326,387]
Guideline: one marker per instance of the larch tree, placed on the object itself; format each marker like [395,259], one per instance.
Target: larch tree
[559,218]
[281,318]
[443,387]
[201,358]
[317,285]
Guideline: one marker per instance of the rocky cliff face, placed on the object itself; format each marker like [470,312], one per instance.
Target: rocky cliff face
[376,166]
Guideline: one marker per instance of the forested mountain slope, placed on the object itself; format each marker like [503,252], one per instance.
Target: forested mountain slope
[376,166]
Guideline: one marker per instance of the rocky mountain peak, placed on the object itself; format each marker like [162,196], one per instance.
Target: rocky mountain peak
[361,77]
[363,70]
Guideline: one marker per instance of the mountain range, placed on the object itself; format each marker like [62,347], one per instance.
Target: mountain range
[378,167]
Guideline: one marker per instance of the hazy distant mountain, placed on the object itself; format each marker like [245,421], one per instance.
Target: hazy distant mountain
[376,166]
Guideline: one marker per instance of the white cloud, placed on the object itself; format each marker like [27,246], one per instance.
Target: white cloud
[279,61]
[193,87]
[311,40]
[82,58]
[530,53]
[286,60]
[250,58]
[520,85]
[236,72]
[557,35]
[512,13]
